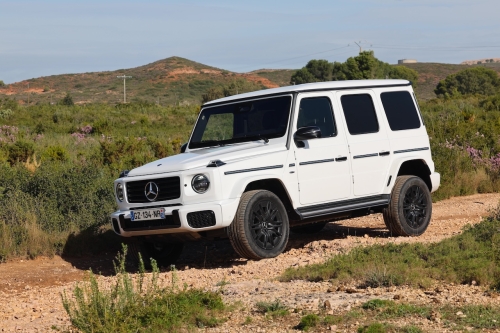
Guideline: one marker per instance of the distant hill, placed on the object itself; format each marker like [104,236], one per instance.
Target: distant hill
[168,81]
[177,80]
[429,75]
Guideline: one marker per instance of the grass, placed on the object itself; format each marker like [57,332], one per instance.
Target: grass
[140,305]
[385,316]
[471,256]
[272,309]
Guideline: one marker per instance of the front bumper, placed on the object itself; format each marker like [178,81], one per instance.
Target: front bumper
[178,219]
[435,180]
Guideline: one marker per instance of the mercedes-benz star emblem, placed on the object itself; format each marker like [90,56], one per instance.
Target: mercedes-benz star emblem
[151,191]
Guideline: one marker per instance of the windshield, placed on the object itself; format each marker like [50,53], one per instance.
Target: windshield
[239,122]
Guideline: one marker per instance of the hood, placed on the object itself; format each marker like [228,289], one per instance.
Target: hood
[201,158]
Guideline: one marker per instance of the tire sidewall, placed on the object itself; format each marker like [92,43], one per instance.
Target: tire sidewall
[280,247]
[414,181]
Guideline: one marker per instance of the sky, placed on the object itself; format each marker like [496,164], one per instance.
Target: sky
[41,38]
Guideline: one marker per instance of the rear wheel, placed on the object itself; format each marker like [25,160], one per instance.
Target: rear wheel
[260,227]
[410,209]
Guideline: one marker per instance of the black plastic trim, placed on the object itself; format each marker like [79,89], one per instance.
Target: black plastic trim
[384,153]
[341,159]
[215,164]
[317,161]
[157,206]
[253,169]
[291,165]
[343,206]
[410,150]
[366,155]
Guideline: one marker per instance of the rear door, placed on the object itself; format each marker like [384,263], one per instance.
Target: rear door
[368,142]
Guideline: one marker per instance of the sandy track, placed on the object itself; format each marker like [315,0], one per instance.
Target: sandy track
[30,290]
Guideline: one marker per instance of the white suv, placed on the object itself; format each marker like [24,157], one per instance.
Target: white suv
[259,164]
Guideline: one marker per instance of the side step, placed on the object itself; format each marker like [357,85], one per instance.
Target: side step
[343,206]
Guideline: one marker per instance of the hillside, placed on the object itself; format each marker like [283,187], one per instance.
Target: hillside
[177,80]
[168,81]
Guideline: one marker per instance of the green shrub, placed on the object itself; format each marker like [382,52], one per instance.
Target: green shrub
[134,305]
[55,153]
[308,321]
[20,151]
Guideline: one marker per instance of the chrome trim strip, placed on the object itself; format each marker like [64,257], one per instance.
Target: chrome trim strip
[317,161]
[410,150]
[366,155]
[253,169]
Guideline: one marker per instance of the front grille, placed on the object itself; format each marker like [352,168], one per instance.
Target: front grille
[168,189]
[166,223]
[201,219]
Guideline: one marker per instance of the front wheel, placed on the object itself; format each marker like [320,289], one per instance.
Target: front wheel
[260,228]
[410,209]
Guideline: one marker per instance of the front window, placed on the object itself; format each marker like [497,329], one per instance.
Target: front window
[240,122]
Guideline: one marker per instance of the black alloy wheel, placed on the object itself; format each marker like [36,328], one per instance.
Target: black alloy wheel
[410,209]
[260,228]
[266,224]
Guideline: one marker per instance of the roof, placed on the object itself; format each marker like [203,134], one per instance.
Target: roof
[330,85]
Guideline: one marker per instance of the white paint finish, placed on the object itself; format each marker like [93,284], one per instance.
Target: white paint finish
[369,173]
[323,181]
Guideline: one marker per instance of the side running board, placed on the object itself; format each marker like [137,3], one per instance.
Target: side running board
[343,206]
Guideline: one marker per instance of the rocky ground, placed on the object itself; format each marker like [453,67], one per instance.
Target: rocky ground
[30,290]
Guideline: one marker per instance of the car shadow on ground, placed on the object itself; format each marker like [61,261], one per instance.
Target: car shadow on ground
[205,254]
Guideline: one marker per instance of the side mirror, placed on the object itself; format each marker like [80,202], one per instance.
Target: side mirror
[183,147]
[307,133]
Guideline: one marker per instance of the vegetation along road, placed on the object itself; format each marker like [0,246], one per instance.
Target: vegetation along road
[265,296]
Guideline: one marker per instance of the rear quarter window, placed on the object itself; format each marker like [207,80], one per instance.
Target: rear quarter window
[400,110]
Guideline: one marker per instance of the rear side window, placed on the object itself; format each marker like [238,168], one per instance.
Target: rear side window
[400,110]
[317,111]
[359,114]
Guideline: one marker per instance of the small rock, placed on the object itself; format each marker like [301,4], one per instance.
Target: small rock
[331,290]
[328,305]
[366,236]
[333,328]
[351,291]
[397,296]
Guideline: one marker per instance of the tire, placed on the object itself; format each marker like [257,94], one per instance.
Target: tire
[308,228]
[260,228]
[410,209]
[165,254]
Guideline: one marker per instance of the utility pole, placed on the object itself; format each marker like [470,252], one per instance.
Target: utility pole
[28,93]
[360,49]
[124,87]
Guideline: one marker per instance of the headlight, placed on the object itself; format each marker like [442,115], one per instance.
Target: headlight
[200,183]
[119,191]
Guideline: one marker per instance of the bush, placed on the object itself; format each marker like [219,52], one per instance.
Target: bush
[20,151]
[476,80]
[55,153]
[134,305]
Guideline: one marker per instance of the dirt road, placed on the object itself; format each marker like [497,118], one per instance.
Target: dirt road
[30,290]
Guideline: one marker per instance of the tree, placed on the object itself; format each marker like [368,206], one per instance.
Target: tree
[476,80]
[2,84]
[314,71]
[67,100]
[362,67]
[405,73]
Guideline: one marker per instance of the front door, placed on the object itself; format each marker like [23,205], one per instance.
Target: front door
[322,163]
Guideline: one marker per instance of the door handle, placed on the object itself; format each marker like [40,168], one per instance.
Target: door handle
[341,159]
[384,153]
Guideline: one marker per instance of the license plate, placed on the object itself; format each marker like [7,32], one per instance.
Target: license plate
[147,214]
